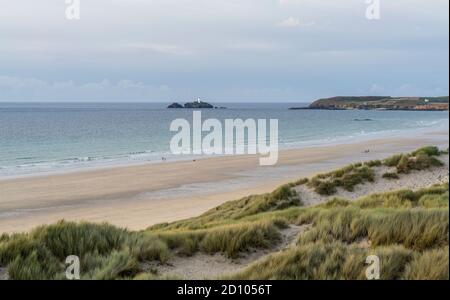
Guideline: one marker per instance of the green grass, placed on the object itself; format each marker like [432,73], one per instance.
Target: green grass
[346,178]
[419,162]
[104,250]
[327,261]
[429,151]
[393,160]
[338,261]
[300,181]
[229,212]
[421,159]
[436,196]
[240,238]
[432,265]
[227,239]
[409,235]
[407,229]
[416,230]
[374,163]
[350,176]
[390,176]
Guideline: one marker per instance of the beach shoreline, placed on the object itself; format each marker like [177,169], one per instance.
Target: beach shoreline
[23,171]
[139,196]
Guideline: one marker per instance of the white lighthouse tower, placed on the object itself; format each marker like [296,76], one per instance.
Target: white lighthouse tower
[198,100]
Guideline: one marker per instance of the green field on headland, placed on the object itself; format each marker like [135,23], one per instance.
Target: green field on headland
[381,103]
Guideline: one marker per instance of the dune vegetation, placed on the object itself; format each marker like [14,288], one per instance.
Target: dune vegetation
[350,176]
[407,230]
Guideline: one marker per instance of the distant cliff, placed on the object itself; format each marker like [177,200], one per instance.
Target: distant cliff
[381,103]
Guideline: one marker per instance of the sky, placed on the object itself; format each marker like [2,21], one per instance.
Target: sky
[221,50]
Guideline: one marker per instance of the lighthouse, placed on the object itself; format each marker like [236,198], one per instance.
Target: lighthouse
[198,100]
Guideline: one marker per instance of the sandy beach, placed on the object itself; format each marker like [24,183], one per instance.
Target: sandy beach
[136,197]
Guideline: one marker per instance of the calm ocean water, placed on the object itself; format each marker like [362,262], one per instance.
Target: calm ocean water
[44,137]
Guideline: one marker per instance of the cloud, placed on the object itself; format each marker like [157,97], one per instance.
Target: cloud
[286,2]
[377,89]
[158,48]
[205,48]
[14,88]
[294,22]
[406,90]
[289,22]
[252,46]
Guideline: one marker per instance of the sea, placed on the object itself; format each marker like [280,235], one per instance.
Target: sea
[42,138]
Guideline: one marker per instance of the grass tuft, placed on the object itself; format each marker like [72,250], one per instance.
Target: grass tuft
[346,178]
[390,176]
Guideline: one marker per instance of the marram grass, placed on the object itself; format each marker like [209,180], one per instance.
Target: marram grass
[407,229]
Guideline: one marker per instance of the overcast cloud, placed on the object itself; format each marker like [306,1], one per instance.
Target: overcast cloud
[221,50]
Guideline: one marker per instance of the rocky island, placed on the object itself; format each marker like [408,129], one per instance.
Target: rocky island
[175,105]
[381,103]
[194,105]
